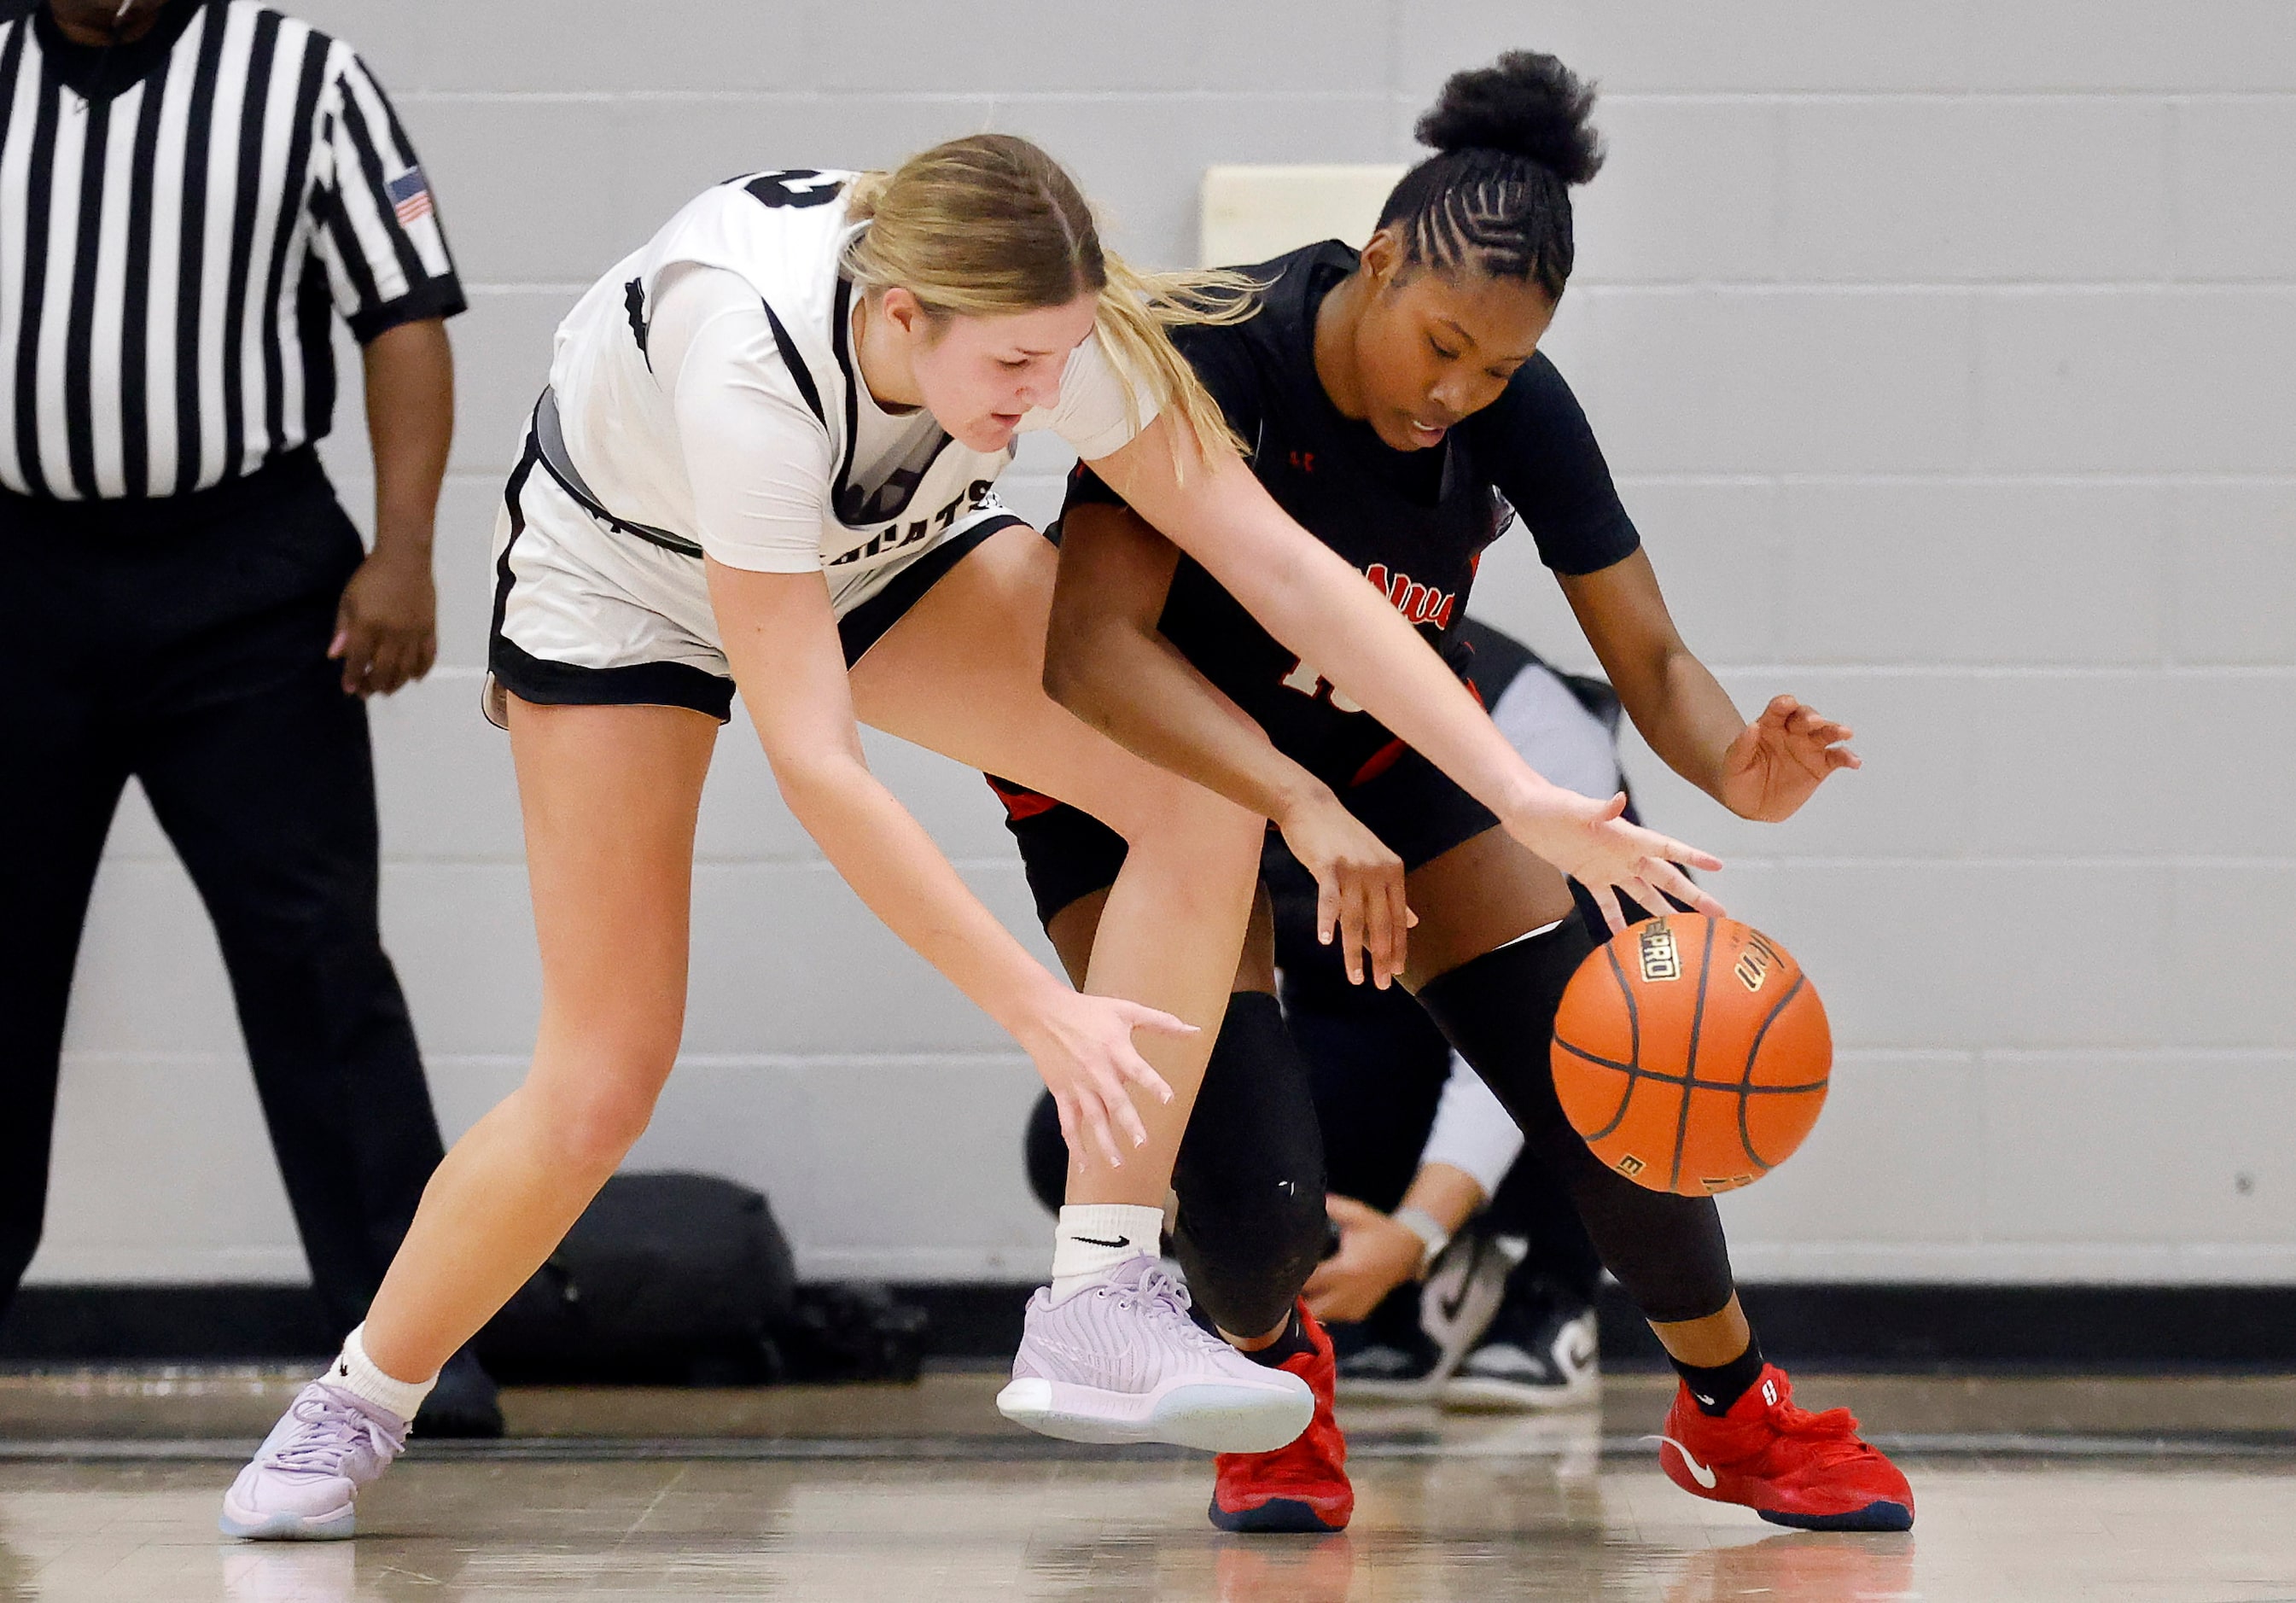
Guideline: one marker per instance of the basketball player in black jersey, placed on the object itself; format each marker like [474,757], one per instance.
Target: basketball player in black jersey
[1397,406]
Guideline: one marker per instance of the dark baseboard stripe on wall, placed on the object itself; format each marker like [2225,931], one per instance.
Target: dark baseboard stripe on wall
[1902,1328]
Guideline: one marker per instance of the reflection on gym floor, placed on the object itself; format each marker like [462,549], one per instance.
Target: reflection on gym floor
[2032,1490]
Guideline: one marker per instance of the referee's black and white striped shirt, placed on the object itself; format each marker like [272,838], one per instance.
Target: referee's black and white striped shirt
[180,218]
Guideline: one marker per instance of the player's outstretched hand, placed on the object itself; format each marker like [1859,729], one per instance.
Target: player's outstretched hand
[1778,761]
[1592,843]
[1082,1046]
[1358,887]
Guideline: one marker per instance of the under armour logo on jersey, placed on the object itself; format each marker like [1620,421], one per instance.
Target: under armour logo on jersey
[1770,1393]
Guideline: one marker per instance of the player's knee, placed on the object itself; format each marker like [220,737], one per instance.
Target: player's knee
[592,1105]
[592,1131]
[1177,828]
[1247,1261]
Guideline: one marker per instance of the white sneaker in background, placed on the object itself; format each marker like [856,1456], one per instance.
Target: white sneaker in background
[1540,1353]
[1465,1288]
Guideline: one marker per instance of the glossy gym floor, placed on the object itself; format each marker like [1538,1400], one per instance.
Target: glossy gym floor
[2160,1489]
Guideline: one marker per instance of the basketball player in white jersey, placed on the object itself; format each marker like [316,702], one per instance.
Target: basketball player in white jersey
[764,462]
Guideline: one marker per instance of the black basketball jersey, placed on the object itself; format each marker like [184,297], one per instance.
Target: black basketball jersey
[1413,522]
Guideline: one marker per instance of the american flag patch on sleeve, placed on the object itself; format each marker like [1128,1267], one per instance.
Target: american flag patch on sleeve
[410,194]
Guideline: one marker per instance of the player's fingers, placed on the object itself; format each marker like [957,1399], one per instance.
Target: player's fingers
[1346,1211]
[1378,934]
[1675,851]
[1136,1068]
[1649,896]
[1400,919]
[1842,757]
[1351,932]
[1127,1117]
[1096,1124]
[1065,1106]
[1327,904]
[1665,877]
[1154,1021]
[1606,902]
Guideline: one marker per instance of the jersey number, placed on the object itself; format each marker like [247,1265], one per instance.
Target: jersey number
[796,186]
[1307,681]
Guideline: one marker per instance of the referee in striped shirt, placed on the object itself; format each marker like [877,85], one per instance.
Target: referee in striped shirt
[190,192]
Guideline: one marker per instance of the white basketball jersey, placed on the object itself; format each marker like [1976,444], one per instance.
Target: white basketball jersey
[783,233]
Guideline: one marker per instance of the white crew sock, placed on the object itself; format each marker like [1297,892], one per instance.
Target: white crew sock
[1094,1237]
[355,1372]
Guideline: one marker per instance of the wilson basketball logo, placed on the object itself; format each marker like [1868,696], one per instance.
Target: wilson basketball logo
[1754,966]
[1679,1079]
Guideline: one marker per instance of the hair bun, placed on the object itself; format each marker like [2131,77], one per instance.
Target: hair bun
[1526,105]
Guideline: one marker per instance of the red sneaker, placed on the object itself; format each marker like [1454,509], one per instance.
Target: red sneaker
[1300,1488]
[1791,1466]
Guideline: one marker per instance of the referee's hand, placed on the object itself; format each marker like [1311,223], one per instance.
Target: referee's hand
[387,628]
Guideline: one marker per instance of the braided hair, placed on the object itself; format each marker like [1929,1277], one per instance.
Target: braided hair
[1510,140]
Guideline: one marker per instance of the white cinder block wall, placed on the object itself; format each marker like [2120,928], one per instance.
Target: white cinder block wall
[1947,354]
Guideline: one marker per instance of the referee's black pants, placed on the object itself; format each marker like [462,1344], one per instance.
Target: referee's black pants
[183,643]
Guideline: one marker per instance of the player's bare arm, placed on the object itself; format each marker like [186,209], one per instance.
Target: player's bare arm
[1116,669]
[1765,769]
[779,632]
[1307,596]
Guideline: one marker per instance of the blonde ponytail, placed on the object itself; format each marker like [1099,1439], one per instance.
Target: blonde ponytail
[1136,312]
[991,225]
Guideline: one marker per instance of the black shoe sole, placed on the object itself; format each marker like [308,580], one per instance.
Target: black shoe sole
[1878,1516]
[1277,1517]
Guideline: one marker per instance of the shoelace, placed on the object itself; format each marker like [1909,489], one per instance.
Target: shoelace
[1836,1427]
[331,1433]
[1164,1300]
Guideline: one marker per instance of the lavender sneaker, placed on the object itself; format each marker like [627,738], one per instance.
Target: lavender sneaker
[1120,1361]
[306,1475]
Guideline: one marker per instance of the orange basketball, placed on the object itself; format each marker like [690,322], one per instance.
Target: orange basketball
[1693,1054]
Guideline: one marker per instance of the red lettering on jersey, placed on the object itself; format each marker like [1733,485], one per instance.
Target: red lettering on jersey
[1420,604]
[1305,461]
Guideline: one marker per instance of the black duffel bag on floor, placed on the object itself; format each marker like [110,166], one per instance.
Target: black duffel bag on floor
[666,1279]
[685,1279]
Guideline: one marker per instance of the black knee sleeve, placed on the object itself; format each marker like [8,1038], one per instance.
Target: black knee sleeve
[1251,1174]
[1045,1151]
[1498,1010]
